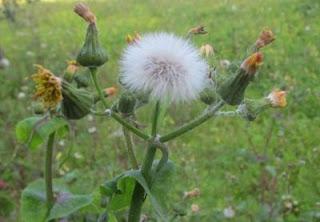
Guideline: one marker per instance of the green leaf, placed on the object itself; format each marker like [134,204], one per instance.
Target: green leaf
[162,182]
[121,194]
[34,131]
[33,202]
[67,203]
[6,205]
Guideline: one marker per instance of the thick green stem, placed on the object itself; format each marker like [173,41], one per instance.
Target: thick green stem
[139,193]
[96,84]
[129,143]
[48,172]
[193,123]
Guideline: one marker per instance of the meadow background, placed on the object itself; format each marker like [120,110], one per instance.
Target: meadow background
[244,170]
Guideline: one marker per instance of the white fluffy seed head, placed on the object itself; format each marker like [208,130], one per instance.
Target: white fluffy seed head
[164,65]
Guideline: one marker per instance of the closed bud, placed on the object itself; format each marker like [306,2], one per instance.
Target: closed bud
[126,103]
[232,89]
[209,95]
[92,54]
[70,71]
[76,103]
[38,108]
[82,79]
[249,109]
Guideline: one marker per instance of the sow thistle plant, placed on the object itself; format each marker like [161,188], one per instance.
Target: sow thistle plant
[158,69]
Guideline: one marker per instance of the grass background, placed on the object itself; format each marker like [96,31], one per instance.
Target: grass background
[246,166]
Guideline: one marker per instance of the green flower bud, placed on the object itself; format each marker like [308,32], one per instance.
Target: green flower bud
[232,90]
[126,103]
[82,79]
[92,54]
[76,103]
[249,109]
[38,108]
[209,95]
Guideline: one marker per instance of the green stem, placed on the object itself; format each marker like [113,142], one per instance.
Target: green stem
[155,119]
[193,123]
[96,84]
[129,143]
[139,193]
[130,127]
[48,172]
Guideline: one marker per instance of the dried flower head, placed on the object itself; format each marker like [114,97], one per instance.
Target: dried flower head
[164,65]
[111,91]
[133,39]
[84,11]
[48,87]
[252,63]
[198,30]
[266,37]
[195,208]
[193,193]
[207,50]
[72,67]
[278,98]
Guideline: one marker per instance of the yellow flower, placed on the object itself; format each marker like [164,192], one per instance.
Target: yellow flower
[277,98]
[48,87]
[133,39]
[265,38]
[252,63]
[206,50]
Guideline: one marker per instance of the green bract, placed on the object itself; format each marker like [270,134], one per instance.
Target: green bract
[76,103]
[92,54]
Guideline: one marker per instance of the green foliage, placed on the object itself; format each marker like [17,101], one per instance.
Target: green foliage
[7,206]
[34,131]
[33,202]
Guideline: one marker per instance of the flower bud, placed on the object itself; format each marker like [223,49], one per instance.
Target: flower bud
[92,54]
[82,79]
[126,103]
[249,109]
[70,71]
[38,108]
[232,90]
[206,50]
[265,38]
[209,95]
[76,103]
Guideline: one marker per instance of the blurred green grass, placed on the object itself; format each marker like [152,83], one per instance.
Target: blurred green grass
[226,158]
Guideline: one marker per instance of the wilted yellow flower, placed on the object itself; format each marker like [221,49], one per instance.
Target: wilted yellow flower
[198,30]
[133,39]
[265,38]
[84,11]
[278,98]
[206,50]
[193,193]
[72,67]
[111,91]
[252,63]
[48,87]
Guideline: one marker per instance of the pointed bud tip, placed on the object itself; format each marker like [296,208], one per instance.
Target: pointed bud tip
[277,98]
[84,11]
